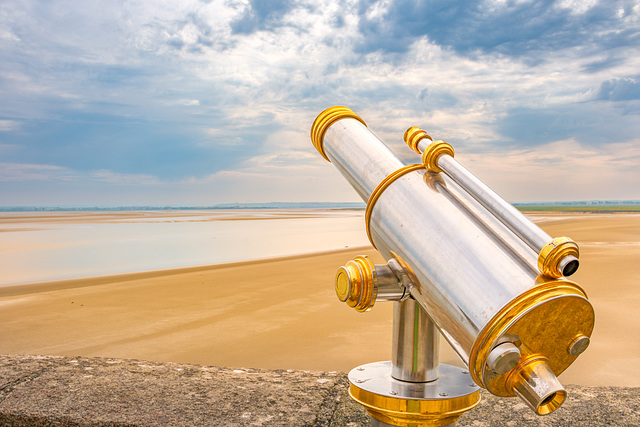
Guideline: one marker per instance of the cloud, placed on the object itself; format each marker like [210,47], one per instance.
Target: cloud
[161,94]
[516,29]
[20,172]
[591,123]
[124,179]
[261,15]
[7,125]
[620,89]
[11,172]
[189,102]
[561,170]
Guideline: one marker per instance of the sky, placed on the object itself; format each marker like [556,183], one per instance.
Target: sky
[197,102]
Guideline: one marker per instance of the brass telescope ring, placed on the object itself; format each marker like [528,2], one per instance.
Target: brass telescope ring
[375,195]
[326,119]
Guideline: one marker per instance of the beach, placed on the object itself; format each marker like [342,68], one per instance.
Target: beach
[282,313]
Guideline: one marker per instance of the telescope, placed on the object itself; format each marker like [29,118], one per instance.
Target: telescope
[461,262]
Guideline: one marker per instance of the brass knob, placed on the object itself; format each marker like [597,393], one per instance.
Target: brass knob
[356,283]
[325,120]
[432,152]
[413,136]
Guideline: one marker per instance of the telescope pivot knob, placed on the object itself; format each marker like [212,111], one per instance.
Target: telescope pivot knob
[356,283]
[360,283]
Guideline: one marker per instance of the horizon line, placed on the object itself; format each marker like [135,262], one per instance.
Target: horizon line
[276,205]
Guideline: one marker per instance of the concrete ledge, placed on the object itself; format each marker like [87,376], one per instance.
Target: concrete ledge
[63,391]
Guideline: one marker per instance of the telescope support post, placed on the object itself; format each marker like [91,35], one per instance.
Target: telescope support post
[415,343]
[413,389]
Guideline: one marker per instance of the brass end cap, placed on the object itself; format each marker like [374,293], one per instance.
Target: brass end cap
[552,254]
[433,152]
[326,119]
[559,307]
[413,136]
[356,283]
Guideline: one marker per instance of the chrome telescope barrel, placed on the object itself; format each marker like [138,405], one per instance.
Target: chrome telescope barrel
[473,275]
[555,257]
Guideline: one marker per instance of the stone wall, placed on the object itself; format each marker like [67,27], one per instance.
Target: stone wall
[64,391]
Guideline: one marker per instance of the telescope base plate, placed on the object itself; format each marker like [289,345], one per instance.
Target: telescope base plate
[400,403]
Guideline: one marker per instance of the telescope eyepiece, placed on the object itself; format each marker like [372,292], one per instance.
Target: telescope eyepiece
[559,257]
[537,385]
[568,265]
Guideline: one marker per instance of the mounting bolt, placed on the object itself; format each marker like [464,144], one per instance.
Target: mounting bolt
[579,345]
[503,358]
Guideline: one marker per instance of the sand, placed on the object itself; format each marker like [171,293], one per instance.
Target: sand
[283,313]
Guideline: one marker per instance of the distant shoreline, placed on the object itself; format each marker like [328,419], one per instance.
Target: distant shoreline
[231,206]
[587,206]
[580,208]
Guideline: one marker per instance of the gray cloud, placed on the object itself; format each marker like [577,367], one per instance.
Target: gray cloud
[514,29]
[261,15]
[620,90]
[591,123]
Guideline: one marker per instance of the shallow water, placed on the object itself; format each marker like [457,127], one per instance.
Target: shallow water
[46,246]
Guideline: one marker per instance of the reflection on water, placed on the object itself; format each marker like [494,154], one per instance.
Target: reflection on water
[44,246]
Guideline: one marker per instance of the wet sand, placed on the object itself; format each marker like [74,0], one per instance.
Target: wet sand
[283,313]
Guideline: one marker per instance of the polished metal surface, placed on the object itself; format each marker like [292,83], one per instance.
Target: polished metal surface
[555,258]
[579,345]
[463,277]
[359,155]
[423,144]
[492,226]
[539,388]
[568,265]
[376,378]
[507,213]
[378,423]
[416,341]
[474,273]
[503,358]
[388,286]
[400,403]
[360,284]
